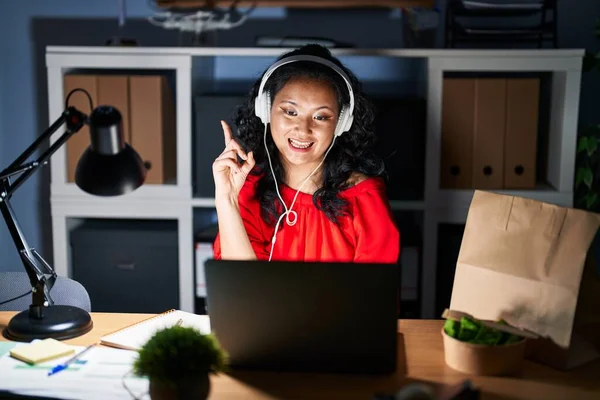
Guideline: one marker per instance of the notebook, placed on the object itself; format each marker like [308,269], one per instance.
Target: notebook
[135,336]
[40,351]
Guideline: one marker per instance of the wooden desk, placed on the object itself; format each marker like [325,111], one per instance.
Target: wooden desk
[420,356]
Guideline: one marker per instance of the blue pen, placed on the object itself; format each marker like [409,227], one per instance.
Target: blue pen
[65,365]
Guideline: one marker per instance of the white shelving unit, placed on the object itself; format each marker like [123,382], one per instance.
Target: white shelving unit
[177,202]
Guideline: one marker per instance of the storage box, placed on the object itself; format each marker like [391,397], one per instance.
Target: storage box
[127,265]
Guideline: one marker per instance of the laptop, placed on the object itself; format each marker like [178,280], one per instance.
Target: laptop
[305,316]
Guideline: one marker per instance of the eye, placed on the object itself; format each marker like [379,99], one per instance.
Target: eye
[289,112]
[322,117]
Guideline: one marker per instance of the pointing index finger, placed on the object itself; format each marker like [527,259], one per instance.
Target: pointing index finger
[226,132]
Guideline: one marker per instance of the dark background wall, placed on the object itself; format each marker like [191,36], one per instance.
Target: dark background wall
[30,25]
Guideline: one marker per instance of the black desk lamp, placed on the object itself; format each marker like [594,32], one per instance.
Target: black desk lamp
[109,167]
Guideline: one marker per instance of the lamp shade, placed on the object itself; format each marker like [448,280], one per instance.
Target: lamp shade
[109,166]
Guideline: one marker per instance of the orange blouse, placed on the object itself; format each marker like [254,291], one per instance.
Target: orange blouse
[368,233]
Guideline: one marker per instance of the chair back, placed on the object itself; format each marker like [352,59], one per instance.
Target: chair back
[15,292]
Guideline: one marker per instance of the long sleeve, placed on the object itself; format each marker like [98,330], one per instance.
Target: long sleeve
[377,236]
[367,234]
[250,213]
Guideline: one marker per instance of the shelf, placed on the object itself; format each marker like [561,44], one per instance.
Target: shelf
[541,192]
[56,54]
[520,23]
[374,89]
[116,208]
[502,32]
[499,38]
[445,199]
[203,202]
[420,211]
[145,193]
[407,205]
[299,3]
[459,10]
[452,205]
[397,205]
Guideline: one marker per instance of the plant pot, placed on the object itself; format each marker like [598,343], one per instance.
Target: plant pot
[198,388]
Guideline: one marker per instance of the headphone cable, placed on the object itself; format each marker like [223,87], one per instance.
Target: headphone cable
[289,211]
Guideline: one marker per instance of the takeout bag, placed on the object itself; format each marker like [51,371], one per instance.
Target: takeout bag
[522,260]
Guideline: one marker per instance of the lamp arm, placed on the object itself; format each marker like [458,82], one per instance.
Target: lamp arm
[33,147]
[74,119]
[14,171]
[41,275]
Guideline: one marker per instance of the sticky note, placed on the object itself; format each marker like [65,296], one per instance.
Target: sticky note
[40,351]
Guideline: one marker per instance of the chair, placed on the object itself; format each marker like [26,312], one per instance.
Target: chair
[15,292]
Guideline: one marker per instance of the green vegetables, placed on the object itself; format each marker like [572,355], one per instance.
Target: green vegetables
[473,331]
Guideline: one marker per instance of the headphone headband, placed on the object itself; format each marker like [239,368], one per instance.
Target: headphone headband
[318,60]
[262,101]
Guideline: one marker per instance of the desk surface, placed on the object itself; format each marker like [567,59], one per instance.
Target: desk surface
[420,356]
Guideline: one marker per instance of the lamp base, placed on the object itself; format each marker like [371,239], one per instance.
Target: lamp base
[58,322]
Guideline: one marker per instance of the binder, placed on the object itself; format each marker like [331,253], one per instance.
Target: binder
[489,133]
[522,120]
[458,108]
[113,90]
[488,138]
[153,133]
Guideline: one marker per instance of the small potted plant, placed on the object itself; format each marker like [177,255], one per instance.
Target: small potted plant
[177,361]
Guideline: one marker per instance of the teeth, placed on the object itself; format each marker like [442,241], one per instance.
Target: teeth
[300,145]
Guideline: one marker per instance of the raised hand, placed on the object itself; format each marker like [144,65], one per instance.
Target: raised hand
[228,173]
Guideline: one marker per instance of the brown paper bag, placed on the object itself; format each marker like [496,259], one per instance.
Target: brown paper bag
[523,260]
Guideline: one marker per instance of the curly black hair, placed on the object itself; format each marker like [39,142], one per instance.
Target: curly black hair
[352,151]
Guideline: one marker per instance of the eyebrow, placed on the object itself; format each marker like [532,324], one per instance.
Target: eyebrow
[295,104]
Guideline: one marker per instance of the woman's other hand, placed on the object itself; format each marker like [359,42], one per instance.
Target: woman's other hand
[228,173]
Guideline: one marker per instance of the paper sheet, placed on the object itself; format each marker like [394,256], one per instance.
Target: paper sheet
[98,375]
[5,347]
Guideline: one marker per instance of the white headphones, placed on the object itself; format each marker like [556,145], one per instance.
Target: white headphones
[262,109]
[262,103]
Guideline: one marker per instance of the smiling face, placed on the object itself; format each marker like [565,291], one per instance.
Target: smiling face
[304,114]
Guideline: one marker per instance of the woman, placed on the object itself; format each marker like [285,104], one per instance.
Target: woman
[327,201]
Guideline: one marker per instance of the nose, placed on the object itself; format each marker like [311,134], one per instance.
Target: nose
[304,126]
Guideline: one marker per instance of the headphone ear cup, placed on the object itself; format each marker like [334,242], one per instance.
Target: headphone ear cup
[262,107]
[258,107]
[344,122]
[267,105]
